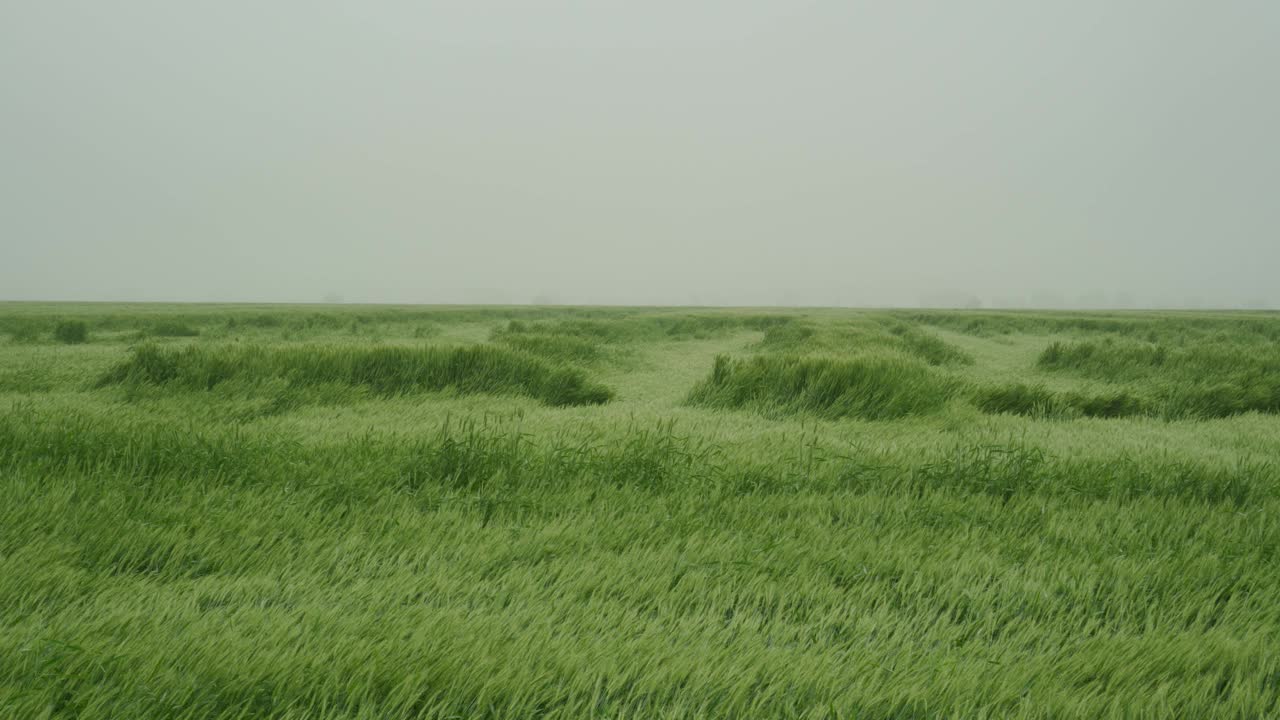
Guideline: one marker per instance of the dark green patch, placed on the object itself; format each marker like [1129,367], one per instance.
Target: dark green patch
[71,332]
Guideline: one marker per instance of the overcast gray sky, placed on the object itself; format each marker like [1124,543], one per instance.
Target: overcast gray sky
[1096,152]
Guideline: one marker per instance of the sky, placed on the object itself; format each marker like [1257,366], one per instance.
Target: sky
[1091,153]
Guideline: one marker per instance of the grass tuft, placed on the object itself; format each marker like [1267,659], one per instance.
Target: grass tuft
[930,348]
[553,346]
[23,332]
[383,370]
[871,388]
[1038,401]
[171,328]
[1203,378]
[71,332]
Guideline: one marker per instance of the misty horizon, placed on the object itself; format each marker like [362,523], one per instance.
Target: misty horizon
[814,154]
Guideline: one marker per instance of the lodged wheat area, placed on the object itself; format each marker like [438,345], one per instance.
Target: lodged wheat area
[508,512]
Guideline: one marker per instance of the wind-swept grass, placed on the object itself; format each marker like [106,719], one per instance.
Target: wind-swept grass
[499,460]
[1038,401]
[649,328]
[789,337]
[1201,379]
[559,347]
[1018,399]
[478,572]
[1107,360]
[1134,325]
[172,545]
[383,370]
[797,338]
[23,332]
[71,332]
[870,387]
[929,347]
[170,328]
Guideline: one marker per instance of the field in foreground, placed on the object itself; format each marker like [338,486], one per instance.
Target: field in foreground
[402,512]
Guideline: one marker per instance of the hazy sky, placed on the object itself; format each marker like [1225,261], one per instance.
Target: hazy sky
[1100,152]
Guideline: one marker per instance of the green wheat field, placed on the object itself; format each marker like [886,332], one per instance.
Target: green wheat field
[239,511]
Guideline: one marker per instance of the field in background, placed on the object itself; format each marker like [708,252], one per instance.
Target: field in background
[366,511]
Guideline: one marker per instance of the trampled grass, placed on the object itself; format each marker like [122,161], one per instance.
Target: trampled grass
[833,521]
